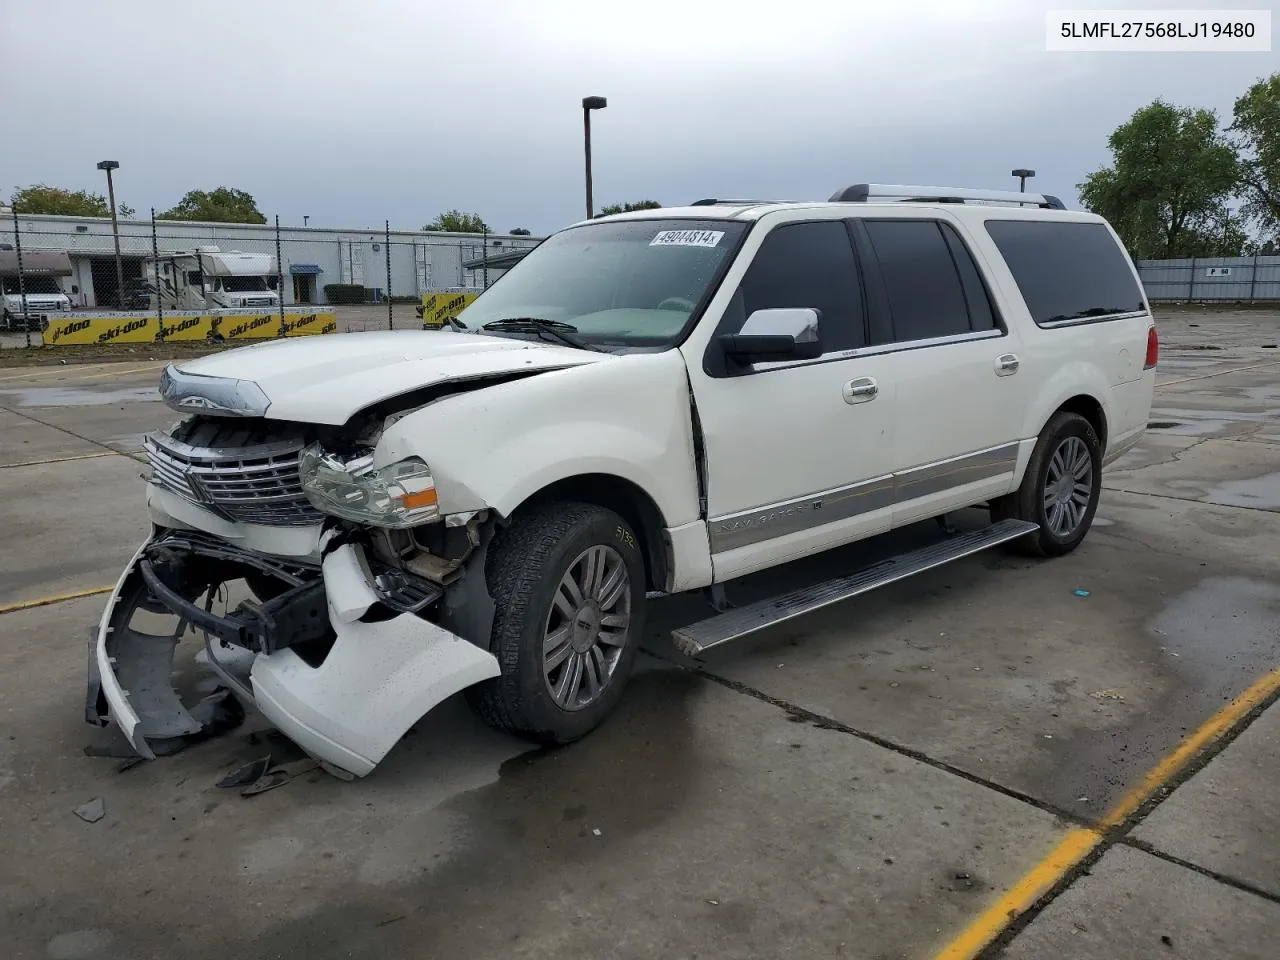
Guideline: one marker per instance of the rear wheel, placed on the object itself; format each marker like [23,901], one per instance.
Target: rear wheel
[567,580]
[1060,489]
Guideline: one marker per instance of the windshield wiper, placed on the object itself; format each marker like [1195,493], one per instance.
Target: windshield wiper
[553,329]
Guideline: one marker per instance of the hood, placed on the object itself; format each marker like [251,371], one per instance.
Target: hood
[327,379]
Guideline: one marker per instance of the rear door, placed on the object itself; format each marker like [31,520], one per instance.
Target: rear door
[955,364]
[797,453]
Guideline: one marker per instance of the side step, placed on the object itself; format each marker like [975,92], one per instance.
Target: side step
[699,637]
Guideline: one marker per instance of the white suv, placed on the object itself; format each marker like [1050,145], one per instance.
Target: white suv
[648,403]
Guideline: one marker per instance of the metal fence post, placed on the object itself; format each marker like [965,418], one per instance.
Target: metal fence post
[1191,292]
[280,277]
[391,324]
[22,286]
[484,255]
[1253,278]
[155,258]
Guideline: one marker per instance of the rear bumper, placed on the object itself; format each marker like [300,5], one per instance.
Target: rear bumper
[376,680]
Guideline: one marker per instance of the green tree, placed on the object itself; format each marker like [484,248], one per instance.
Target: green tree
[40,198]
[223,205]
[628,207]
[455,221]
[519,232]
[1256,124]
[1167,188]
[126,211]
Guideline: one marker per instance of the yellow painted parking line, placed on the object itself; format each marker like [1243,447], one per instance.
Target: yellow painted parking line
[102,371]
[1220,373]
[56,598]
[1082,841]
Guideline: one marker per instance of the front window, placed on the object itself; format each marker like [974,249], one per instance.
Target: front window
[244,284]
[620,284]
[32,285]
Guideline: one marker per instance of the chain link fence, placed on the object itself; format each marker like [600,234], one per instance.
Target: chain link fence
[71,280]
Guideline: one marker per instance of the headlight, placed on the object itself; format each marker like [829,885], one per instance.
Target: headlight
[401,494]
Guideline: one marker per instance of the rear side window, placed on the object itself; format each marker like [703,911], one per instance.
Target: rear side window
[1067,271]
[808,265]
[930,280]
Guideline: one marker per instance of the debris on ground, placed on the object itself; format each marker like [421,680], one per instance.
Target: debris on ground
[267,772]
[1107,695]
[93,811]
[1080,593]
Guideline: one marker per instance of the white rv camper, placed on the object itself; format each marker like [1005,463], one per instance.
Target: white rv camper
[26,302]
[210,278]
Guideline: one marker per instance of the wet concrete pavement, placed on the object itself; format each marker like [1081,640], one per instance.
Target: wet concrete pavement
[860,783]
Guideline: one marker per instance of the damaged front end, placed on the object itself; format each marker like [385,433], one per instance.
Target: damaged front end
[343,634]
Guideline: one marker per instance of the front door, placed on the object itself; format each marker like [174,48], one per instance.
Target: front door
[798,453]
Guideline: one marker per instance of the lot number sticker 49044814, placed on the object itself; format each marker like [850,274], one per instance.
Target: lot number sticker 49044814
[687,238]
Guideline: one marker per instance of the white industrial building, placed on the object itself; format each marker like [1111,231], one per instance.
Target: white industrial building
[310,257]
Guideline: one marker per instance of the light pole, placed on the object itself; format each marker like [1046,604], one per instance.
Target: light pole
[109,165]
[1023,175]
[589,104]
[305,219]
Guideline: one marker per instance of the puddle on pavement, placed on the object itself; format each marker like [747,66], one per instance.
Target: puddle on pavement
[1261,493]
[1207,645]
[1182,422]
[82,396]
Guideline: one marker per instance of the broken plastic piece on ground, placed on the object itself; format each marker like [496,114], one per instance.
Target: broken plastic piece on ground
[1080,593]
[279,776]
[247,774]
[93,811]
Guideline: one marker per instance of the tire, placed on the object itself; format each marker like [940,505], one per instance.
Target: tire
[538,621]
[1063,516]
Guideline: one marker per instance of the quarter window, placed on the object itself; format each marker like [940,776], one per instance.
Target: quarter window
[1067,270]
[808,265]
[932,285]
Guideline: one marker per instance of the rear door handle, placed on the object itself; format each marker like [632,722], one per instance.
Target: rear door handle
[860,390]
[1006,365]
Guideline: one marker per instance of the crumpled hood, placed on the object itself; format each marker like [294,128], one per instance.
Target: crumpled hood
[327,379]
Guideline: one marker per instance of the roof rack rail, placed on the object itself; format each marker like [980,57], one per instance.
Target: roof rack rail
[867,192]
[712,201]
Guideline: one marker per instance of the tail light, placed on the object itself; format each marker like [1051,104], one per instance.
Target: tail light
[1153,349]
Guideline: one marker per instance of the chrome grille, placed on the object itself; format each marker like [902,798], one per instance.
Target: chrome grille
[255,483]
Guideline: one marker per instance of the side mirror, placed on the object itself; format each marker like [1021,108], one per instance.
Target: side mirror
[775,335]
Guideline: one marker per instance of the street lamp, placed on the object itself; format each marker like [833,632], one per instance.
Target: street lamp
[589,104]
[1022,175]
[109,165]
[305,219]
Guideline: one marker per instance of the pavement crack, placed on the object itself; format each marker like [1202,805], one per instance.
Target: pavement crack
[71,433]
[1203,503]
[1222,878]
[800,714]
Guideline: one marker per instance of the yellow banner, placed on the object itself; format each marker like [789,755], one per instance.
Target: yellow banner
[436,307]
[219,327]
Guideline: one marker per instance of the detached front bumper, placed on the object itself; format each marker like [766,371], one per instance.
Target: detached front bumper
[346,707]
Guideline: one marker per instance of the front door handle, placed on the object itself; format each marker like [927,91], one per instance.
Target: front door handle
[1006,365]
[860,390]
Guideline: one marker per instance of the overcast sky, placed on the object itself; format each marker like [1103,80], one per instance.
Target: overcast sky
[361,110]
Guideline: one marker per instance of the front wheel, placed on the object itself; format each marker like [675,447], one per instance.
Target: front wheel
[567,581]
[1060,489]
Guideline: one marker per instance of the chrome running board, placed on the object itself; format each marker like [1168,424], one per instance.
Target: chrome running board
[739,622]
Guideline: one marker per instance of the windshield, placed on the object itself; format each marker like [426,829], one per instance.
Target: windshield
[32,285]
[244,284]
[624,284]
